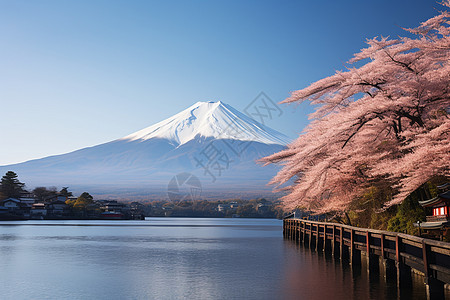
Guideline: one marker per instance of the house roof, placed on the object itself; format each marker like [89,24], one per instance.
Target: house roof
[11,199]
[443,197]
[50,198]
[27,199]
[443,186]
[433,225]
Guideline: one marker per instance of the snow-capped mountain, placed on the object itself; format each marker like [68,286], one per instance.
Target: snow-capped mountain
[210,120]
[211,140]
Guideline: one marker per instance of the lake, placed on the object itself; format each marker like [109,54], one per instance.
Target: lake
[174,258]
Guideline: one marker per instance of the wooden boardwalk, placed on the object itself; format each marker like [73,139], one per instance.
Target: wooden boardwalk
[394,255]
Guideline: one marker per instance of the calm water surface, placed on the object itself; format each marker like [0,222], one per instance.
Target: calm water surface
[174,258]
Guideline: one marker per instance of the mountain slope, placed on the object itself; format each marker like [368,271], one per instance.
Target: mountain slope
[210,119]
[211,140]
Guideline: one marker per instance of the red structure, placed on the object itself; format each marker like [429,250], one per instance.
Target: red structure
[112,215]
[439,222]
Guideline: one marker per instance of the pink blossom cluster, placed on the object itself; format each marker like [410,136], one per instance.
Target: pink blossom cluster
[386,117]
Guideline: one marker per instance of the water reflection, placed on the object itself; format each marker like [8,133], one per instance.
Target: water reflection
[178,258]
[316,275]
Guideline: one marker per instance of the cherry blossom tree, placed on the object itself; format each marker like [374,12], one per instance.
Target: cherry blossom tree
[386,117]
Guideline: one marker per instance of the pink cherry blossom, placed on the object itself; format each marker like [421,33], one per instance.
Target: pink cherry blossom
[385,117]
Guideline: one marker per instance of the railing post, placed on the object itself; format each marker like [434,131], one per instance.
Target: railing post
[290,229]
[368,258]
[403,271]
[372,260]
[293,230]
[351,247]
[387,266]
[287,228]
[397,248]
[302,232]
[317,237]
[324,246]
[355,257]
[426,266]
[300,235]
[434,287]
[296,231]
[367,241]
[341,243]
[308,234]
[333,246]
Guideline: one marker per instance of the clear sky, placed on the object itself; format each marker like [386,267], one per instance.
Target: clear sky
[80,73]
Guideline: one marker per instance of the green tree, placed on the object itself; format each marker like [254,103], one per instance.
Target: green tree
[86,196]
[246,210]
[65,192]
[83,201]
[409,212]
[81,204]
[10,186]
[42,193]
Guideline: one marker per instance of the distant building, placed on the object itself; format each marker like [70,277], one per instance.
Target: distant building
[262,208]
[56,198]
[38,210]
[12,204]
[57,208]
[439,223]
[111,215]
[136,211]
[234,205]
[26,195]
[223,207]
[26,204]
[27,200]
[113,205]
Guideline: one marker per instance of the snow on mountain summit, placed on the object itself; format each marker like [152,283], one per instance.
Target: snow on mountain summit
[210,119]
[145,162]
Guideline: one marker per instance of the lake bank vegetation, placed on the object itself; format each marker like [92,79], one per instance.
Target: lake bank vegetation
[16,203]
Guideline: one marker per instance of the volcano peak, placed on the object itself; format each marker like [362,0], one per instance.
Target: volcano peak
[209,119]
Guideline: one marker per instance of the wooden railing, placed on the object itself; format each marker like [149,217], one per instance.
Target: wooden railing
[394,252]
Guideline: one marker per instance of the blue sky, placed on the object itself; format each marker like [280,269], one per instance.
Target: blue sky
[80,73]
